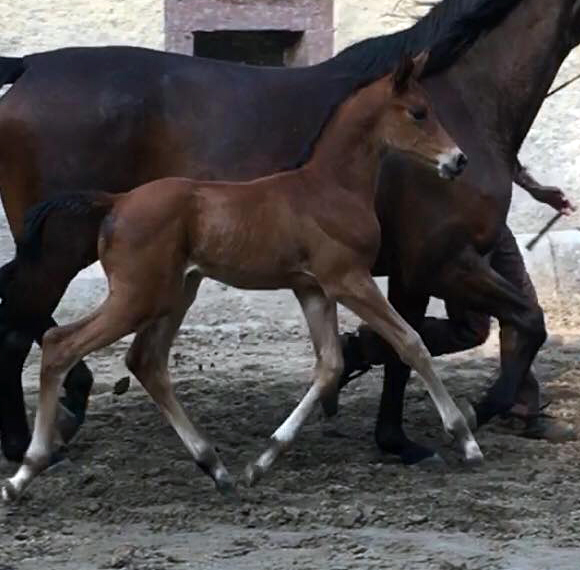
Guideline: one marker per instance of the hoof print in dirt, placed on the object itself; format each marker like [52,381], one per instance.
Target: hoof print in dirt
[122,557]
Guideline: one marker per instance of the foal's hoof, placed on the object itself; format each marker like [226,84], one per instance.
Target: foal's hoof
[253,473]
[227,488]
[9,493]
[473,454]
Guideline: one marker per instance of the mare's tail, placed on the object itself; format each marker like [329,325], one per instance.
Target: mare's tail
[11,68]
[92,206]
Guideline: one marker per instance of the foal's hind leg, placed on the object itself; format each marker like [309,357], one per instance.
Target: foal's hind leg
[359,293]
[63,347]
[147,359]
[320,313]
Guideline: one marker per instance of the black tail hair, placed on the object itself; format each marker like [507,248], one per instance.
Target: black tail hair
[11,68]
[28,245]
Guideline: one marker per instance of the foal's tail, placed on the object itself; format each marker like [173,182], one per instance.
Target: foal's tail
[93,206]
[11,68]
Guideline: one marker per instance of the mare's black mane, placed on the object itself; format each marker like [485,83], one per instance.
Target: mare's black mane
[448,30]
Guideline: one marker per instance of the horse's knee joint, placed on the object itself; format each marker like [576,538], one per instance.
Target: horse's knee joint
[536,326]
[134,361]
[413,351]
[331,368]
[477,334]
[55,359]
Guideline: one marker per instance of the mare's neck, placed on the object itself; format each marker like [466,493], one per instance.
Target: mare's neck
[505,76]
[348,152]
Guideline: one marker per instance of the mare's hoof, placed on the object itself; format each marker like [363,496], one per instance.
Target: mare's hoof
[14,449]
[549,429]
[9,493]
[355,364]
[411,453]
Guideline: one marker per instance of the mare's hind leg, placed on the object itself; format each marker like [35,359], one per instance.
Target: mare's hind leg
[63,347]
[147,359]
[320,313]
[31,288]
[359,293]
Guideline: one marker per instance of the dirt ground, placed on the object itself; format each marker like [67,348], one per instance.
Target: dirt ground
[129,496]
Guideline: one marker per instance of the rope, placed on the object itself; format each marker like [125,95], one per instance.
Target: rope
[563,86]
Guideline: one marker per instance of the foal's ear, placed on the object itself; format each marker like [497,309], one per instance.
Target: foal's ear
[402,74]
[420,61]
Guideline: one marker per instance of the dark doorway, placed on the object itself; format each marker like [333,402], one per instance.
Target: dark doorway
[265,47]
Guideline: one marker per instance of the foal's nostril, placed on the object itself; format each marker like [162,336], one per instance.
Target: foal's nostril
[461,162]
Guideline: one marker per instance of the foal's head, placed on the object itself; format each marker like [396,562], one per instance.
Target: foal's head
[409,123]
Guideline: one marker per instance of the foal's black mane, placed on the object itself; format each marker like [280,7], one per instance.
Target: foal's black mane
[448,30]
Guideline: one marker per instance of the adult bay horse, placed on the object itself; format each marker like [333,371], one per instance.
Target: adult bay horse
[113,118]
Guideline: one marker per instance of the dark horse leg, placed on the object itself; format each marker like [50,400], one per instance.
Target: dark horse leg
[389,433]
[14,432]
[466,329]
[31,288]
[470,279]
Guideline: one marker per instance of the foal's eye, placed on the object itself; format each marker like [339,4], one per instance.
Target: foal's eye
[418,113]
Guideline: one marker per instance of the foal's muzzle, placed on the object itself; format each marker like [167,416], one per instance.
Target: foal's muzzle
[452,164]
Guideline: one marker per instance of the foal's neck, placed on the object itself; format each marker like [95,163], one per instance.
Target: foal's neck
[348,151]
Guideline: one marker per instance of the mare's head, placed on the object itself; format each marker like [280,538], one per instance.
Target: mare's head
[409,124]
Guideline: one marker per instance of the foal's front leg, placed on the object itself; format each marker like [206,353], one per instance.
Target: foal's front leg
[359,293]
[320,313]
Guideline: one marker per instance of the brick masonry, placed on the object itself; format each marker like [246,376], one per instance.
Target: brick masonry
[312,17]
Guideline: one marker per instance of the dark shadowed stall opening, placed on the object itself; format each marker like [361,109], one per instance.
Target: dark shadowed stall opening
[264,47]
[261,32]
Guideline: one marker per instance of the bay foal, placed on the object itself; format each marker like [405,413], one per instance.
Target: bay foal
[312,229]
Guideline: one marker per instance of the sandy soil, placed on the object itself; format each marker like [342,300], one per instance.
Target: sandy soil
[129,496]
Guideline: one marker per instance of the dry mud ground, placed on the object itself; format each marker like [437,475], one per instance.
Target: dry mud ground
[129,496]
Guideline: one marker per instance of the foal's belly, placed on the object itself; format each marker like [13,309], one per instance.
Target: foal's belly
[251,278]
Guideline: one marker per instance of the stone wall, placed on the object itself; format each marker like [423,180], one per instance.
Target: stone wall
[38,25]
